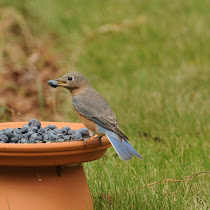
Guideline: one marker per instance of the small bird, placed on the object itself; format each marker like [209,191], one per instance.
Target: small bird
[96,114]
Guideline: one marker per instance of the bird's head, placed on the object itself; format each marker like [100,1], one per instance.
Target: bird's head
[73,81]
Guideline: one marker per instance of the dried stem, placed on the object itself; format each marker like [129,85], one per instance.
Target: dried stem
[186,179]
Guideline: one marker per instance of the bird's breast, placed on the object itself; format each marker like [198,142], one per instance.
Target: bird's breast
[87,123]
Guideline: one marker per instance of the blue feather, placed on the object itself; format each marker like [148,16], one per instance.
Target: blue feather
[124,150]
[131,149]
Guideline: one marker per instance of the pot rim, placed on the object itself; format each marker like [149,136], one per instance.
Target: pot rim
[51,153]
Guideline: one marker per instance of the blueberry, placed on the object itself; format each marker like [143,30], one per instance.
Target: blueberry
[34,123]
[60,135]
[53,137]
[25,128]
[70,132]
[33,136]
[25,135]
[34,129]
[77,135]
[23,140]
[8,132]
[53,83]
[14,140]
[31,140]
[51,127]
[84,132]
[1,132]
[17,131]
[46,137]
[4,138]
[50,132]
[41,131]
[60,140]
[65,129]
[56,130]
[67,137]
[39,138]
[29,133]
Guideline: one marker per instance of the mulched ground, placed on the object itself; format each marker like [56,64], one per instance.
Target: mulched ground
[26,63]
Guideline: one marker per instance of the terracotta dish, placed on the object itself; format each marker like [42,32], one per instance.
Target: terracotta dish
[50,154]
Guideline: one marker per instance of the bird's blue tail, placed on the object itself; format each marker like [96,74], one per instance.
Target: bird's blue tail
[124,150]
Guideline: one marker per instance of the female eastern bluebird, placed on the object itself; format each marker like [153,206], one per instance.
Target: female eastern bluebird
[96,114]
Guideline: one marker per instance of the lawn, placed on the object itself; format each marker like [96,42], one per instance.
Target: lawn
[151,61]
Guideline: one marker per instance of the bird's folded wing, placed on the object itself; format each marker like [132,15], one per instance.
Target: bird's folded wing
[96,109]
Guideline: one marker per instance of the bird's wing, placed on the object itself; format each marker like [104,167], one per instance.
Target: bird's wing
[94,107]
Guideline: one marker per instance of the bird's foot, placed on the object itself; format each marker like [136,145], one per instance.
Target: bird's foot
[83,140]
[59,169]
[100,141]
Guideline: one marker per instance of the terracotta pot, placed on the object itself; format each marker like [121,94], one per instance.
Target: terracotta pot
[31,180]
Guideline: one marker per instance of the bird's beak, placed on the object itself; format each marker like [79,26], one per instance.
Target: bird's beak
[60,80]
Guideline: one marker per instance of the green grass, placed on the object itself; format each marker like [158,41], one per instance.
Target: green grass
[156,77]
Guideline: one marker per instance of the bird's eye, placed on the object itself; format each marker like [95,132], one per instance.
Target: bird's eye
[70,78]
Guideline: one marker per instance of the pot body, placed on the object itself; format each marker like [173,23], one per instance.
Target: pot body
[44,188]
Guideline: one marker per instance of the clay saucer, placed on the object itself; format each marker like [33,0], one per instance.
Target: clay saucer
[50,154]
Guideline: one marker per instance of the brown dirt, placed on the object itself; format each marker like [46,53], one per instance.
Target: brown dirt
[26,64]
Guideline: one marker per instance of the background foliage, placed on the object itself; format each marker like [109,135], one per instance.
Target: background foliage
[149,59]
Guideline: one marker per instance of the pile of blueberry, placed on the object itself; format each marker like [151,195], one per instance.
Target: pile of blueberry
[34,133]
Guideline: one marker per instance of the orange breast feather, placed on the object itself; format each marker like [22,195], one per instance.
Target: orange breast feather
[87,123]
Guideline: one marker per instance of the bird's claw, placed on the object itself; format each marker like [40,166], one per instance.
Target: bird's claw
[100,141]
[83,140]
